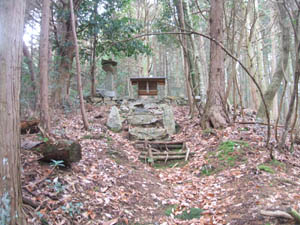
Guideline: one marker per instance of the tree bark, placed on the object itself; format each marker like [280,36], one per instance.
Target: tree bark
[44,46]
[79,86]
[12,24]
[281,63]
[93,61]
[93,67]
[65,52]
[187,62]
[294,21]
[215,114]
[28,60]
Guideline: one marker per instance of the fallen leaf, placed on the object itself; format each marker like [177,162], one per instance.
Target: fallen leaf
[111,222]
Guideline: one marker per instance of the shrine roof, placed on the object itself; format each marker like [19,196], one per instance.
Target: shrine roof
[157,79]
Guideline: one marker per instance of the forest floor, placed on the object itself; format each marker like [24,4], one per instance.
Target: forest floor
[229,179]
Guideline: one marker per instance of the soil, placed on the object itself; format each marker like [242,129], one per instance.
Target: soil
[111,186]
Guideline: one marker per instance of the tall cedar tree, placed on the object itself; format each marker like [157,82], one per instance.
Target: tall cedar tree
[11,32]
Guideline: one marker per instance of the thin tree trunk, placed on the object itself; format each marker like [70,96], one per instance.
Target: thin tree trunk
[251,27]
[11,24]
[93,67]
[28,60]
[293,97]
[186,57]
[79,86]
[44,45]
[281,63]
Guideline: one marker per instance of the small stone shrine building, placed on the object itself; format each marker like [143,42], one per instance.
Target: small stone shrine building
[148,85]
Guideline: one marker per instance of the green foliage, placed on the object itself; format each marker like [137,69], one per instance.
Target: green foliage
[72,208]
[150,160]
[42,218]
[88,136]
[186,214]
[41,138]
[243,129]
[57,163]
[170,209]
[226,151]
[265,168]
[228,154]
[193,213]
[272,166]
[57,186]
[165,23]
[207,170]
[112,29]
[277,163]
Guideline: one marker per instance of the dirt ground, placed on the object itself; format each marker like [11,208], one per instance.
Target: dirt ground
[110,185]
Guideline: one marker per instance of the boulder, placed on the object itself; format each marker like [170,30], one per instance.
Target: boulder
[106,93]
[152,133]
[154,108]
[168,120]
[136,104]
[124,106]
[114,121]
[139,111]
[141,119]
[151,106]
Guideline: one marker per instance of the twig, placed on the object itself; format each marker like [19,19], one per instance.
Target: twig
[187,154]
[41,180]
[257,123]
[277,213]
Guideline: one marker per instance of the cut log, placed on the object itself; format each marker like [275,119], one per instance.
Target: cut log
[162,157]
[165,153]
[160,145]
[30,126]
[67,150]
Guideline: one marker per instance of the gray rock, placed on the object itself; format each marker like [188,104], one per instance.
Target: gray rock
[114,120]
[151,106]
[106,93]
[136,104]
[124,108]
[152,133]
[138,111]
[157,112]
[168,120]
[142,119]
[107,101]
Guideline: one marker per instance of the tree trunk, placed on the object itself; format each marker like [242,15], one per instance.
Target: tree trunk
[293,96]
[28,60]
[65,52]
[12,24]
[186,55]
[250,37]
[93,67]
[93,61]
[79,86]
[215,114]
[44,45]
[281,63]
